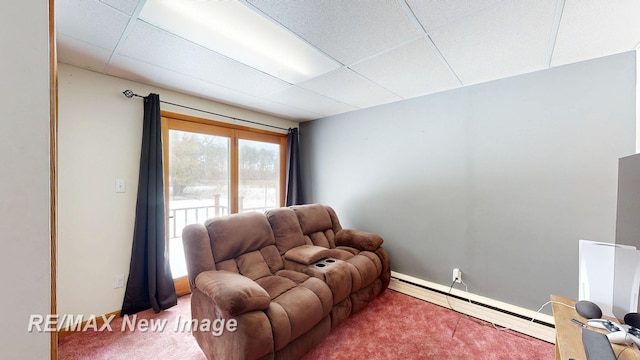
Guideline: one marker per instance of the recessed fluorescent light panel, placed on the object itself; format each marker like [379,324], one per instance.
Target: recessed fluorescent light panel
[236,31]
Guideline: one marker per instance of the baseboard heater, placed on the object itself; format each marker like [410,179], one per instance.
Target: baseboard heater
[501,314]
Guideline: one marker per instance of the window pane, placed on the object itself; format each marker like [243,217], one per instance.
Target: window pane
[198,186]
[259,175]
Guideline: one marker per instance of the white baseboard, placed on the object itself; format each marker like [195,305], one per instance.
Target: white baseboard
[481,307]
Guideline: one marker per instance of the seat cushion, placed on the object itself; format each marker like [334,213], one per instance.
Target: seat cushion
[297,310]
[276,285]
[368,269]
[295,276]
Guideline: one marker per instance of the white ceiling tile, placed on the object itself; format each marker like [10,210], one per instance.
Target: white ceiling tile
[304,99]
[154,46]
[409,71]
[346,86]
[145,73]
[435,13]
[81,54]
[282,110]
[595,28]
[503,41]
[383,46]
[126,6]
[346,30]
[90,21]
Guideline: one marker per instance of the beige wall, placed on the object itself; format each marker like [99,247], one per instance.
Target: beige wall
[24,176]
[99,142]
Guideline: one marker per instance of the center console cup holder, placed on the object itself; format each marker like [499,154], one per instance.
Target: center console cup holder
[324,263]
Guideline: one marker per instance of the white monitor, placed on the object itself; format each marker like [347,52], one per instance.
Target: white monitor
[626,282]
[597,269]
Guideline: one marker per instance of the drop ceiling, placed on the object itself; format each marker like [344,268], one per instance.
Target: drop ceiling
[372,51]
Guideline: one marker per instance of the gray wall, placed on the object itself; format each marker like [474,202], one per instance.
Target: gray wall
[500,179]
[628,214]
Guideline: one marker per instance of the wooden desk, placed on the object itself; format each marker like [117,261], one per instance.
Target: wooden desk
[569,334]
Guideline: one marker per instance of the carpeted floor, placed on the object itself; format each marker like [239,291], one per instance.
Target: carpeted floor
[393,326]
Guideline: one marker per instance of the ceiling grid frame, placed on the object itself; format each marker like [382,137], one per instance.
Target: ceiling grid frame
[554,30]
[429,40]
[125,34]
[78,46]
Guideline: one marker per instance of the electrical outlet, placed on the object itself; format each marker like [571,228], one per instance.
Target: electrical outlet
[457,275]
[118,281]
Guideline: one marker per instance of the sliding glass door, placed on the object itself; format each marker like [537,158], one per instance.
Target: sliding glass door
[198,185]
[214,169]
[258,173]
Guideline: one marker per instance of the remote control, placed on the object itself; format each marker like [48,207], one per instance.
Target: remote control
[604,324]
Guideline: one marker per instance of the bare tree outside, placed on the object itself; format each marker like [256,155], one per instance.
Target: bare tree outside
[259,175]
[199,165]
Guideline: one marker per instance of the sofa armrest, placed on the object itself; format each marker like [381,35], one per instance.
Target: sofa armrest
[360,240]
[232,293]
[306,254]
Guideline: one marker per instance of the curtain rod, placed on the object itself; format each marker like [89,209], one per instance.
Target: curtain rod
[130,94]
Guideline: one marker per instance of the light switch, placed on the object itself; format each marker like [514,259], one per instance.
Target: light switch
[120,186]
[118,281]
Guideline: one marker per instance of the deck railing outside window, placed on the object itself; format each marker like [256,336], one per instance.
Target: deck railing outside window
[182,216]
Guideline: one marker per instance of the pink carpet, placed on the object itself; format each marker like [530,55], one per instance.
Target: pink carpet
[393,326]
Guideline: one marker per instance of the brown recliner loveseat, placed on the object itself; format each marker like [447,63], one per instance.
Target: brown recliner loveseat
[282,280]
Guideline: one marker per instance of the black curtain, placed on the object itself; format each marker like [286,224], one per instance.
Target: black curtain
[150,283]
[294,178]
